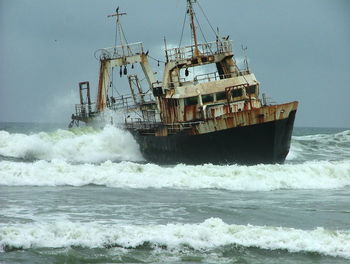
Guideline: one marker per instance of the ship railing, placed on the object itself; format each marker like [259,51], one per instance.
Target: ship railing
[139,123]
[214,76]
[127,101]
[121,102]
[183,125]
[206,77]
[122,51]
[151,127]
[83,110]
[205,49]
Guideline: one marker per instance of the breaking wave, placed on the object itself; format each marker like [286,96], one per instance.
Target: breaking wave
[77,145]
[211,234]
[309,175]
[320,147]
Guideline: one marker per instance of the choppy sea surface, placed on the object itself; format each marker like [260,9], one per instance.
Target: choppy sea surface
[87,196]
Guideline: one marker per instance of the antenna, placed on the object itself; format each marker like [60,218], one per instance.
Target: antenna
[244,49]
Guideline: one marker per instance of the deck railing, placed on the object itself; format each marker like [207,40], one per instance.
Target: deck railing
[151,127]
[117,52]
[207,77]
[127,102]
[83,110]
[210,48]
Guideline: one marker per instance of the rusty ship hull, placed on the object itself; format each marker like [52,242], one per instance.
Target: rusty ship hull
[260,141]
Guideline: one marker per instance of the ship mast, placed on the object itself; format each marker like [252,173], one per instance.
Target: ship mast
[121,56]
[119,30]
[193,26]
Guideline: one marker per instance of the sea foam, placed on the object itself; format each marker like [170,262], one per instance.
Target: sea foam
[210,234]
[309,175]
[78,145]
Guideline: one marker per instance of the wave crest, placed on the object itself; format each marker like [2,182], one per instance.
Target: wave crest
[320,147]
[210,234]
[309,175]
[77,145]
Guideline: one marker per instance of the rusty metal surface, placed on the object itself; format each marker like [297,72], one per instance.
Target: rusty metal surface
[255,116]
[102,93]
[246,118]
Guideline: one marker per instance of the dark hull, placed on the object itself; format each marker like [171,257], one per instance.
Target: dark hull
[260,143]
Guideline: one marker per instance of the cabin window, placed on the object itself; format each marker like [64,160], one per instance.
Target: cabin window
[208,98]
[251,89]
[237,92]
[220,96]
[191,100]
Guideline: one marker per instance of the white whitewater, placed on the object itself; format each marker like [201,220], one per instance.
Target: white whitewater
[87,156]
[77,145]
[308,175]
[210,234]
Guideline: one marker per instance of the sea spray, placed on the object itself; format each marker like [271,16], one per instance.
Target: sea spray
[309,175]
[210,234]
[77,145]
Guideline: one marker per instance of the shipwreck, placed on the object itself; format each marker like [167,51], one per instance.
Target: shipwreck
[217,117]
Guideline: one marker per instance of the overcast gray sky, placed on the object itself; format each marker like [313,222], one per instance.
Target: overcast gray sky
[298,50]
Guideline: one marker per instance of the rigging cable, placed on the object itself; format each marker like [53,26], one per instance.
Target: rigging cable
[113,86]
[200,28]
[155,59]
[200,7]
[127,44]
[183,28]
[116,36]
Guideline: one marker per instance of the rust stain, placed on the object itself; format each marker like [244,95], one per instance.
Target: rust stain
[190,113]
[229,122]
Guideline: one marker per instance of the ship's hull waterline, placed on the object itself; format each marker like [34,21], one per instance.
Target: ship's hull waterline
[265,142]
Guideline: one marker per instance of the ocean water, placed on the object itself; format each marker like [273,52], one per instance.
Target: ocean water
[87,196]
